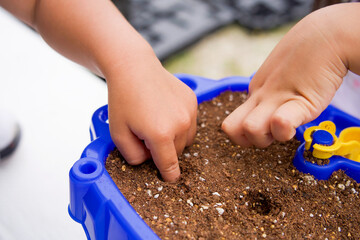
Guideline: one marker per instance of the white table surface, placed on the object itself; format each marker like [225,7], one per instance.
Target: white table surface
[53,100]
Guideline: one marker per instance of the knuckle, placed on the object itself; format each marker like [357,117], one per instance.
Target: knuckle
[163,135]
[184,123]
[282,130]
[251,127]
[226,127]
[280,121]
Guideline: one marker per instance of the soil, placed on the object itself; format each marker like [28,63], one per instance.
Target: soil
[309,157]
[229,192]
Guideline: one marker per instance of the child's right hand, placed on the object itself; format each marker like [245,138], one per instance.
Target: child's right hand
[151,114]
[298,79]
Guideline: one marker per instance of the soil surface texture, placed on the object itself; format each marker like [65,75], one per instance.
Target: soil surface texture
[229,192]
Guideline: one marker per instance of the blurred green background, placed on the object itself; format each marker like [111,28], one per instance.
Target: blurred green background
[232,50]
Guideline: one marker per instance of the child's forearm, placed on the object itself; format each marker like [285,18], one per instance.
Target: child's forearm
[90,32]
[343,21]
[351,36]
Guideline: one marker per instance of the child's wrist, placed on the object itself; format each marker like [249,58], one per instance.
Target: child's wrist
[349,36]
[138,63]
[343,32]
[129,61]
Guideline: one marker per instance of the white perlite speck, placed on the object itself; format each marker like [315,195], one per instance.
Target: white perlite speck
[308,179]
[348,183]
[216,193]
[341,186]
[220,210]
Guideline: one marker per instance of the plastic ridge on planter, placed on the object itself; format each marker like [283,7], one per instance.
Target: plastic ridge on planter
[97,203]
[326,141]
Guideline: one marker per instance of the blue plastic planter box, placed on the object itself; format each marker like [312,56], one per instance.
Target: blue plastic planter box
[95,200]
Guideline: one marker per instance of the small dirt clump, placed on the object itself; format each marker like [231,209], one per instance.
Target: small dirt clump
[309,157]
[230,192]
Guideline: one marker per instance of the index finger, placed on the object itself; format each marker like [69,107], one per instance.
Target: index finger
[166,160]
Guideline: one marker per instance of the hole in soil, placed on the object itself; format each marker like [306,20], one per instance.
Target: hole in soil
[260,203]
[88,168]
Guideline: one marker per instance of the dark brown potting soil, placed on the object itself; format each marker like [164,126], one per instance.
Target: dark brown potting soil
[229,192]
[309,157]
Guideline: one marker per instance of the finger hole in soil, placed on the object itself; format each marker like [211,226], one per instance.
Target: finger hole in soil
[261,203]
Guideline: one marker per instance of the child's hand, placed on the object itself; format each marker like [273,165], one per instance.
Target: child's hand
[151,114]
[296,82]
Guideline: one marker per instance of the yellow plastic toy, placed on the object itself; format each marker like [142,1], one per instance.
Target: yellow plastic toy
[323,142]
